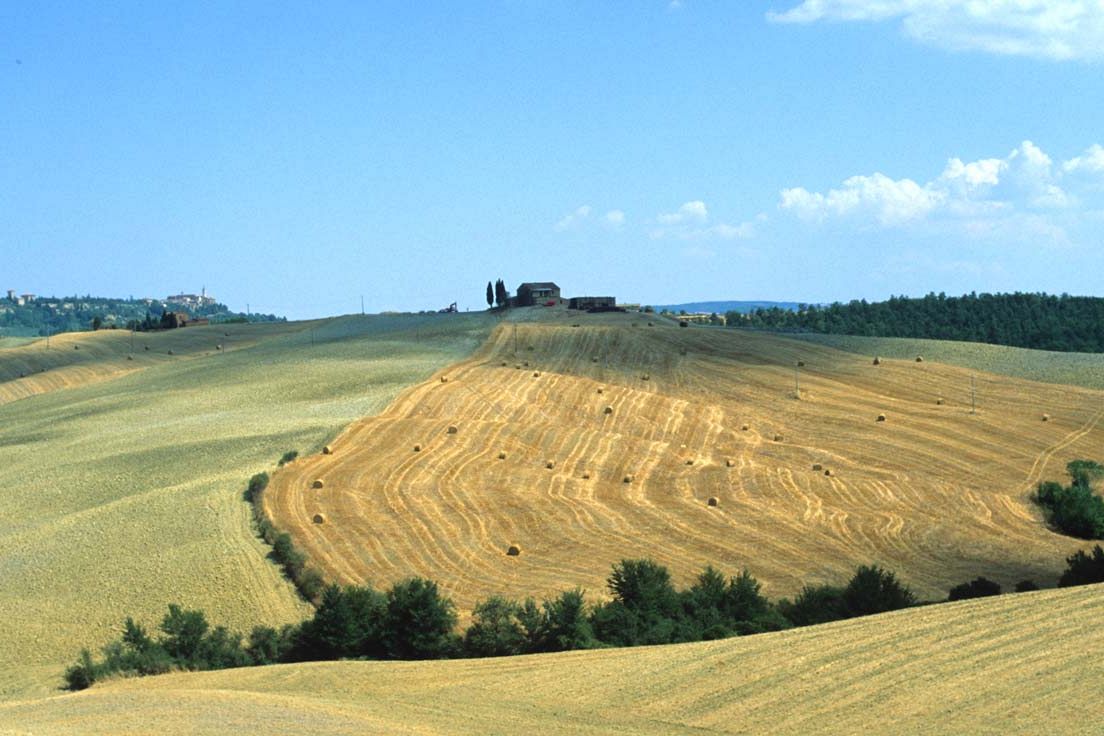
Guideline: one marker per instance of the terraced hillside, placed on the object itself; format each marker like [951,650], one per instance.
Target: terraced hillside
[1015,664]
[604,441]
[121,480]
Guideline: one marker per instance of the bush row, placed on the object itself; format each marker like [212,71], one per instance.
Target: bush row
[306,579]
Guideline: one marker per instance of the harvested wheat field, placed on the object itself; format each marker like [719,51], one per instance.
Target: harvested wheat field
[1024,663]
[935,493]
[121,482]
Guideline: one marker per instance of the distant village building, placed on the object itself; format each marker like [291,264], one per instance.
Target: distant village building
[539,292]
[192,301]
[11,295]
[704,318]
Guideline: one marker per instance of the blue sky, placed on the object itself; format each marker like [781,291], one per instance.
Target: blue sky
[297,156]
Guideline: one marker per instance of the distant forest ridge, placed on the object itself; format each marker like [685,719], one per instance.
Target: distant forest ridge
[44,315]
[724,307]
[1039,321]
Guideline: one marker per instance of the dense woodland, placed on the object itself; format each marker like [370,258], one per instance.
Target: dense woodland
[1040,321]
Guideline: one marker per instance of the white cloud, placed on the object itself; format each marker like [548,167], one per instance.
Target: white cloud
[1025,189]
[614,219]
[573,220]
[692,222]
[889,201]
[1091,161]
[1051,29]
[695,211]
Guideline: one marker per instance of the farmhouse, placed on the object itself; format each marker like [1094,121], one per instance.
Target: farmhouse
[539,292]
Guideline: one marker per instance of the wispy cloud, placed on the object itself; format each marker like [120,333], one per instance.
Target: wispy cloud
[574,219]
[1050,29]
[1024,192]
[692,221]
[614,219]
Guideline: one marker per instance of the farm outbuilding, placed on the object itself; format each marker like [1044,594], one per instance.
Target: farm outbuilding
[596,303]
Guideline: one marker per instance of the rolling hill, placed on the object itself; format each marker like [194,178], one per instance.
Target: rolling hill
[606,440]
[121,480]
[1026,663]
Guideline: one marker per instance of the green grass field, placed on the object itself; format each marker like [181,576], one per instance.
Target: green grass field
[1075,369]
[124,494]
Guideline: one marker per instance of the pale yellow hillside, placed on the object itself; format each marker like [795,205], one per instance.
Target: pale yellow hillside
[1022,664]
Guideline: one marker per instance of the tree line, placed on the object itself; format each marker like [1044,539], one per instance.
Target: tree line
[414,620]
[1039,321]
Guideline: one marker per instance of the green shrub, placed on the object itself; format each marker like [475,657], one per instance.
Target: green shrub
[977,588]
[874,590]
[1075,509]
[645,608]
[1025,586]
[256,487]
[496,629]
[81,675]
[564,624]
[419,621]
[287,457]
[815,604]
[1083,569]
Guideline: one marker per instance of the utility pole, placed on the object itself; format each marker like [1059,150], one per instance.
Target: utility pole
[361,305]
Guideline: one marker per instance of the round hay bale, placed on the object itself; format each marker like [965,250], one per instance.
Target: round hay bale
[608,410]
[713,501]
[881,418]
[536,374]
[594,360]
[171,353]
[939,401]
[1046,417]
[801,364]
[226,334]
[550,465]
[683,323]
[650,324]
[600,389]
[827,472]
[627,479]
[919,358]
[146,347]
[518,366]
[444,379]
[513,550]
[504,364]
[744,427]
[730,463]
[453,429]
[530,348]
[318,483]
[526,364]
[778,438]
[129,357]
[502,456]
[689,461]
[327,450]
[877,360]
[319,519]
[76,347]
[645,377]
[417,448]
[586,475]
[818,466]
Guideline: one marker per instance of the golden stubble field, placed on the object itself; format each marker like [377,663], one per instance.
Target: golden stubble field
[594,443]
[121,480]
[1021,664]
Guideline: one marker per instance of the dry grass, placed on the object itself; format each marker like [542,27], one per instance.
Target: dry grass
[1014,664]
[122,488]
[942,498]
